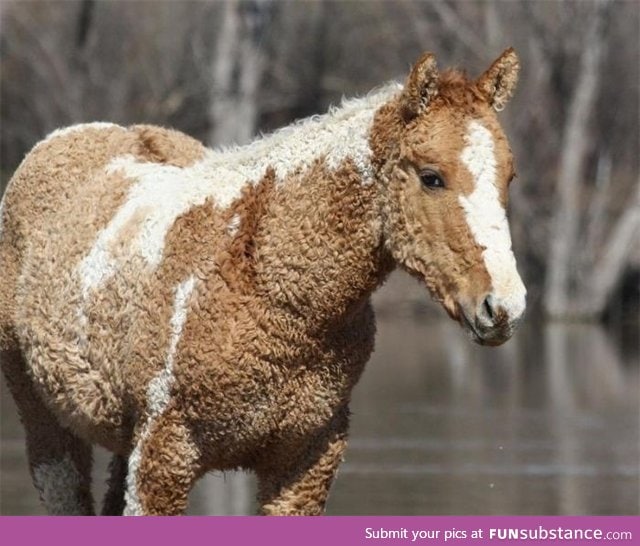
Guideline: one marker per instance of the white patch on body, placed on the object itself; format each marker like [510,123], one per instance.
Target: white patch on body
[64,131]
[161,193]
[234,224]
[340,134]
[58,483]
[487,220]
[83,324]
[158,393]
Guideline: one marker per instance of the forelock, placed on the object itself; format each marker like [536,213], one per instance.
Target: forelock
[455,89]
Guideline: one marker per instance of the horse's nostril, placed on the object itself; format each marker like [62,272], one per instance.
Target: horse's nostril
[488,308]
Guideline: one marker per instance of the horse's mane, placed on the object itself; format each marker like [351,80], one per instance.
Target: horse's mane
[304,141]
[347,107]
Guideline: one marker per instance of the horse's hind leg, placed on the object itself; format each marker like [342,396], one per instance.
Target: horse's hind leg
[59,461]
[113,503]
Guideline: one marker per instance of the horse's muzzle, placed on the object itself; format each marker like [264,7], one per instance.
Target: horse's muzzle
[494,320]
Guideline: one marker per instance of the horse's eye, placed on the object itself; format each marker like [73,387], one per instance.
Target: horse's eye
[430,179]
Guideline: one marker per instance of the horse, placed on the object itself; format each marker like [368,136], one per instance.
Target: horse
[192,309]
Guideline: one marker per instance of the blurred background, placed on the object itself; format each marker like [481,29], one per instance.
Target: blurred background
[548,423]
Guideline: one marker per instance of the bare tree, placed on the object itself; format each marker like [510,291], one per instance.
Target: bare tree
[570,290]
[575,146]
[608,269]
[237,69]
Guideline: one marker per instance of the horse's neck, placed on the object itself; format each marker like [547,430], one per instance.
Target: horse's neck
[319,239]
[320,243]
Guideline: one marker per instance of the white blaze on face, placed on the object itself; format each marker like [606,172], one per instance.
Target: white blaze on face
[487,220]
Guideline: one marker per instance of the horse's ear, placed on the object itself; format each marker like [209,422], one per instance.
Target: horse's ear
[421,86]
[498,83]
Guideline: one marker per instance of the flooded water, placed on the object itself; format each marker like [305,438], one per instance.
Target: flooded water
[547,424]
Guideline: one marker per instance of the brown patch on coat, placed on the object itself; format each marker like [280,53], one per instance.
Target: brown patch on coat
[237,262]
[167,146]
[236,367]
[281,490]
[169,466]
[191,248]
[326,221]
[41,191]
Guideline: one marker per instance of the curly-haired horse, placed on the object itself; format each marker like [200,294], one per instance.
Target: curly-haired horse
[193,309]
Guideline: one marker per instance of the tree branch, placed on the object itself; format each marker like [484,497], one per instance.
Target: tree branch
[572,164]
[609,269]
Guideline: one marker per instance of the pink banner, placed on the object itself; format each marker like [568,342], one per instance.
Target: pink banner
[371,531]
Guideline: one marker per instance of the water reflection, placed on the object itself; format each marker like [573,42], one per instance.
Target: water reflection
[547,424]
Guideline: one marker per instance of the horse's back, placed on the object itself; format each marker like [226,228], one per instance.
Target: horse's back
[60,196]
[71,162]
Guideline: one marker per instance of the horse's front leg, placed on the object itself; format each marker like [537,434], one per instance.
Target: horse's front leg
[162,469]
[300,487]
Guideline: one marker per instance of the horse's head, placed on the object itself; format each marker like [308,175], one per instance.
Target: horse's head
[446,168]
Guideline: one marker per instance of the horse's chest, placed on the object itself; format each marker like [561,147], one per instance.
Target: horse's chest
[258,403]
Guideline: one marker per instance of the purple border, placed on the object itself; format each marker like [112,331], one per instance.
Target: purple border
[307,531]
